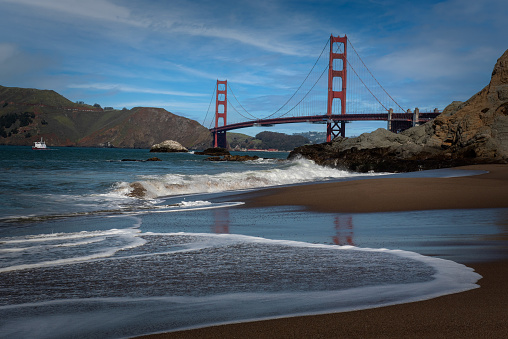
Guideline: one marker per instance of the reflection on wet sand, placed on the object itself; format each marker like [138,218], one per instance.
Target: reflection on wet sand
[221,221]
[344,230]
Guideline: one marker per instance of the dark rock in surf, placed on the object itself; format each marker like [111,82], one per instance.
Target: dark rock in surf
[233,158]
[214,151]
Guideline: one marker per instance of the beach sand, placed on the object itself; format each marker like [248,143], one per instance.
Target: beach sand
[478,313]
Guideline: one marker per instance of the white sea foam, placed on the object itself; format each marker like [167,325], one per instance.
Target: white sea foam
[168,310]
[191,206]
[194,203]
[48,250]
[292,172]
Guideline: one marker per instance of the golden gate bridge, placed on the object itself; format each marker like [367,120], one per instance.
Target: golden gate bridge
[337,90]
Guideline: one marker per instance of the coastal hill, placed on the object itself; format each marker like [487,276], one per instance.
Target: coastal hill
[28,114]
[266,140]
[471,132]
[143,127]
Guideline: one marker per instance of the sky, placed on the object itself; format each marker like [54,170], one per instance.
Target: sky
[169,54]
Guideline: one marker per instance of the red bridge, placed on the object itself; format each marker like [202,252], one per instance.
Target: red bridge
[310,104]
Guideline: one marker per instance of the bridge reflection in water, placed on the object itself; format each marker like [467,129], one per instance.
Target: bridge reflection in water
[342,224]
[344,230]
[427,232]
[221,218]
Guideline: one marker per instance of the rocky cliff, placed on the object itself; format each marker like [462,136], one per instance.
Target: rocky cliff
[471,132]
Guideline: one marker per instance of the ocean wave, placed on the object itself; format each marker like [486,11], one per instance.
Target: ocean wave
[287,173]
[49,250]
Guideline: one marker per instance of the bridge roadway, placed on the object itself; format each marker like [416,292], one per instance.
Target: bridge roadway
[406,117]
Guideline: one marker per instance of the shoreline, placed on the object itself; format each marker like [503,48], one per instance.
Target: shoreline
[479,312]
[488,190]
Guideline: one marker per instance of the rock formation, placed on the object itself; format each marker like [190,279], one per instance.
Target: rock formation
[229,157]
[215,151]
[472,132]
[222,154]
[168,146]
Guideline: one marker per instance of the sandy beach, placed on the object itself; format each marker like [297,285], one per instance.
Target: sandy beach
[479,313]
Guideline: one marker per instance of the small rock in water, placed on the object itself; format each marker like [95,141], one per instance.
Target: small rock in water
[138,191]
[168,146]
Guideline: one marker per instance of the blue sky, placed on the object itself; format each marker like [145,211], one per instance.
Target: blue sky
[127,53]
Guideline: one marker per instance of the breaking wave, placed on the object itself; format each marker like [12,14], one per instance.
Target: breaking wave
[290,172]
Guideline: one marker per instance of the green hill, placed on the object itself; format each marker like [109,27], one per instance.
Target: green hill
[28,114]
[33,96]
[266,140]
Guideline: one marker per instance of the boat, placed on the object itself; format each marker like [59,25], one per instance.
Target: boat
[39,145]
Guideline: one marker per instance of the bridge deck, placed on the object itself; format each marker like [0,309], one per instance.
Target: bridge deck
[423,117]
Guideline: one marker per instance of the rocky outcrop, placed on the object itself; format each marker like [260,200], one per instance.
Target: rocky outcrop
[168,146]
[214,151]
[471,132]
[234,158]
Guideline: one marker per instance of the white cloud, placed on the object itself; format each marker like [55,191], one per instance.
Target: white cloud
[8,51]
[177,20]
[91,9]
[16,64]
[132,89]
[257,39]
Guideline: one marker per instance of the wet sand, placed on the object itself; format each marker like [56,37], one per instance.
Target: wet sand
[397,194]
[479,313]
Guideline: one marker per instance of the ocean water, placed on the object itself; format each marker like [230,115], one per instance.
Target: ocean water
[93,246]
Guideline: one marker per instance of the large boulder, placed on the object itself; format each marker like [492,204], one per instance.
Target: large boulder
[471,132]
[168,146]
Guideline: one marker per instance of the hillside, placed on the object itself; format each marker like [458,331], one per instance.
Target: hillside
[33,96]
[266,140]
[26,115]
[143,127]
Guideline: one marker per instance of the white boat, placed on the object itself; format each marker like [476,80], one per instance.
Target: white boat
[39,145]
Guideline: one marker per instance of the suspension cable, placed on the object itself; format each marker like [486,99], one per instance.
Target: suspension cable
[299,102]
[366,86]
[315,83]
[231,105]
[327,42]
[208,110]
[255,118]
[373,77]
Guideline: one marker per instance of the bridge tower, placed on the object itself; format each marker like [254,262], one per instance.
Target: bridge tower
[221,111]
[333,127]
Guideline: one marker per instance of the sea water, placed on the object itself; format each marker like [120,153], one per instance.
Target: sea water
[93,246]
